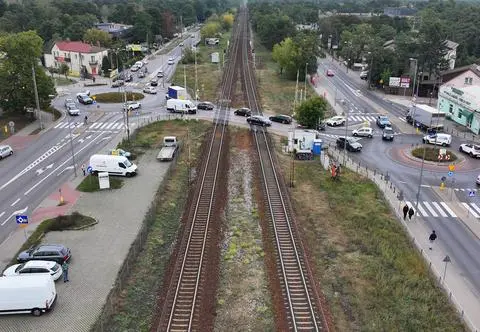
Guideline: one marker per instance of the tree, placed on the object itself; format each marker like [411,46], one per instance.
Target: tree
[284,54]
[96,36]
[21,52]
[227,21]
[106,66]
[311,112]
[210,30]
[64,70]
[273,29]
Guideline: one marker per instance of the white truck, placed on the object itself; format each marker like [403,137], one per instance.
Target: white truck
[33,294]
[170,147]
[426,117]
[181,106]
[114,165]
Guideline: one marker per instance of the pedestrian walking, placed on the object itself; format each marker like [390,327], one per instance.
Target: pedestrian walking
[83,170]
[405,211]
[432,239]
[85,120]
[93,79]
[411,212]
[65,267]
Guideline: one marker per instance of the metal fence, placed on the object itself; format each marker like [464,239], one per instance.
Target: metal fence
[394,197]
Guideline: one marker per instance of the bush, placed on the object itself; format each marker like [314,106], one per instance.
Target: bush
[117,97]
[431,154]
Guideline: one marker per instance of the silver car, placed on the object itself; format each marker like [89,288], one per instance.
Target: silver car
[5,151]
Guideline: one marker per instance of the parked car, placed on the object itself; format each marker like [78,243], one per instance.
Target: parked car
[83,98]
[72,109]
[181,44]
[364,75]
[46,252]
[154,82]
[132,105]
[171,61]
[281,118]
[321,126]
[352,144]
[330,73]
[119,152]
[160,74]
[150,89]
[243,112]
[388,134]
[471,149]
[259,121]
[134,68]
[364,132]
[34,267]
[68,101]
[438,139]
[383,121]
[336,121]
[5,151]
[205,105]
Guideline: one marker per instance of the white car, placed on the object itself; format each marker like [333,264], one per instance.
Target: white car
[72,109]
[181,44]
[160,74]
[171,61]
[5,151]
[150,89]
[134,68]
[33,266]
[336,121]
[364,131]
[471,149]
[478,180]
[68,101]
[438,139]
[132,105]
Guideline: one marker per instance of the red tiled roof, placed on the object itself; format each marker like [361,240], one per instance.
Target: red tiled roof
[74,46]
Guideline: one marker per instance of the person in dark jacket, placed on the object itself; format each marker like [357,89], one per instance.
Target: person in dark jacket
[432,239]
[410,213]
[405,211]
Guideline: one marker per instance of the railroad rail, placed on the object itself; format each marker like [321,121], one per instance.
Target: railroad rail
[303,306]
[185,296]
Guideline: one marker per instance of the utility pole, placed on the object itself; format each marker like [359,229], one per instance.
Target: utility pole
[196,77]
[345,143]
[37,102]
[296,93]
[181,26]
[125,107]
[305,83]
[370,70]
[184,77]
[415,76]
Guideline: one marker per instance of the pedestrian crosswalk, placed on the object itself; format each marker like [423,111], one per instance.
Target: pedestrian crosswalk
[438,209]
[362,118]
[91,126]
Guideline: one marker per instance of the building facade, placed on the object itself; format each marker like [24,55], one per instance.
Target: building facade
[461,105]
[82,59]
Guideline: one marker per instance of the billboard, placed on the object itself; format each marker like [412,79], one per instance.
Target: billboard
[394,81]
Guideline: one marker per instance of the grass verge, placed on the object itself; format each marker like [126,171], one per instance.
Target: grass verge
[61,81]
[73,221]
[243,298]
[90,184]
[431,154]
[117,97]
[136,306]
[21,120]
[372,276]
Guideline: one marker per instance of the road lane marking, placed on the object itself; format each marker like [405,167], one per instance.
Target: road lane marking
[1,214]
[475,207]
[439,209]
[432,211]
[422,210]
[13,214]
[18,200]
[62,164]
[472,212]
[446,207]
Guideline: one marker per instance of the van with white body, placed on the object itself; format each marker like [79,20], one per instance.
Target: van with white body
[139,64]
[33,294]
[114,165]
[181,106]
[438,139]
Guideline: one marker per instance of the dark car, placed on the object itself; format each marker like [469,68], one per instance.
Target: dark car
[46,252]
[281,118]
[243,112]
[352,144]
[118,83]
[205,105]
[259,121]
[128,78]
[154,82]
[388,134]
[83,98]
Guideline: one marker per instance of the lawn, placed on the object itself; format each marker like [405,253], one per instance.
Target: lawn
[431,154]
[373,277]
[20,119]
[90,184]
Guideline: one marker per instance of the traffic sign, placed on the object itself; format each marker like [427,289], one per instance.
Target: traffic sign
[21,219]
[450,173]
[451,167]
[471,193]
[89,169]
[443,179]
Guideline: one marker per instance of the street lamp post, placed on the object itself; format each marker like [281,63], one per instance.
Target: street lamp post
[370,70]
[37,103]
[415,76]
[345,143]
[305,83]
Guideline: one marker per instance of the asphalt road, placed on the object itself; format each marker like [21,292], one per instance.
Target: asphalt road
[352,93]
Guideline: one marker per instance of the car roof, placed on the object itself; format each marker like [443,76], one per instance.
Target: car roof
[50,246]
[35,263]
[5,146]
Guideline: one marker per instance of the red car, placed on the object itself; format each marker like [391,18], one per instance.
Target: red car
[330,73]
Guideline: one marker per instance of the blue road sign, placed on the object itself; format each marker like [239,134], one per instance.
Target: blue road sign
[443,179]
[471,194]
[21,219]
[89,169]
[450,173]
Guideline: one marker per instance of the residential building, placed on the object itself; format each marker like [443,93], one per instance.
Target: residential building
[116,30]
[400,11]
[462,76]
[82,59]
[462,105]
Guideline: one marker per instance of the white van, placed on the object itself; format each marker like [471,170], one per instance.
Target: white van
[33,294]
[181,106]
[139,64]
[114,165]
[438,139]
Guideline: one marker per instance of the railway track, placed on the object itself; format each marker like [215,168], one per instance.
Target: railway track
[182,307]
[303,308]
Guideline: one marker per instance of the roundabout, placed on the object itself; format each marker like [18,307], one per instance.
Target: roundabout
[117,97]
[434,154]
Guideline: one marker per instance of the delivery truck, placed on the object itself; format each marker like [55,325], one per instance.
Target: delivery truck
[181,106]
[169,148]
[426,117]
[176,92]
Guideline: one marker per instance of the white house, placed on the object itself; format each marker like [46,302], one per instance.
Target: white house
[79,56]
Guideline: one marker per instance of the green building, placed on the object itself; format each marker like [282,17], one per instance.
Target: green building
[461,105]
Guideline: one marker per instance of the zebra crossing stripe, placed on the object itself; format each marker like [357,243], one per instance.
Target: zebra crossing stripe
[432,211]
[445,206]
[475,207]
[422,210]
[59,125]
[470,210]
[95,125]
[439,209]
[115,125]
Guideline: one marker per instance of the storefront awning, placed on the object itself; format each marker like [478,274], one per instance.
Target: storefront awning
[467,114]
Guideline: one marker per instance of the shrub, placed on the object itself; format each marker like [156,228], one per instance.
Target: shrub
[431,154]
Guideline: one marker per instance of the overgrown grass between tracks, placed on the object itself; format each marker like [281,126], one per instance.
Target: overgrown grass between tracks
[135,309]
[373,277]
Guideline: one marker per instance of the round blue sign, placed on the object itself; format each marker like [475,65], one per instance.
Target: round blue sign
[89,169]
[450,173]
